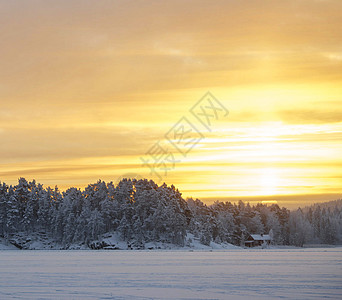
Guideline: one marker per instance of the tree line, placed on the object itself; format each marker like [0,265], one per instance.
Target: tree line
[141,211]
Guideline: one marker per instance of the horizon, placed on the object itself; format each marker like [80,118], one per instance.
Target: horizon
[104,90]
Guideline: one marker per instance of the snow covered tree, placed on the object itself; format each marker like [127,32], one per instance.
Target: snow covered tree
[13,214]
[274,225]
[3,209]
[301,231]
[95,224]
[44,217]
[256,225]
[141,211]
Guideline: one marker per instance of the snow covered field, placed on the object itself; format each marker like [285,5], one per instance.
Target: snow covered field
[232,274]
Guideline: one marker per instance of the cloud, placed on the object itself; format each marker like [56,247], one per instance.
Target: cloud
[90,51]
[58,170]
[47,144]
[337,56]
[310,116]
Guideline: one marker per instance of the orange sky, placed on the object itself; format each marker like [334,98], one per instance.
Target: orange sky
[88,87]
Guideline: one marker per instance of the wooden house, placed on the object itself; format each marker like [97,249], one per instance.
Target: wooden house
[255,240]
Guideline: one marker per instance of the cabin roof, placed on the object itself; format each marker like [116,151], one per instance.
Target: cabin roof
[259,237]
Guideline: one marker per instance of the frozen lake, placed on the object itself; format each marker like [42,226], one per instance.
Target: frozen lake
[233,274]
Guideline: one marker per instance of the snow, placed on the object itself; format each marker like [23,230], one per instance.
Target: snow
[108,241]
[177,274]
[5,245]
[194,243]
[259,237]
[112,241]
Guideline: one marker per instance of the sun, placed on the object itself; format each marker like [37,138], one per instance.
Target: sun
[268,181]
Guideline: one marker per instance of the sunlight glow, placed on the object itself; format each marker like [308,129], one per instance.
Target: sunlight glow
[268,181]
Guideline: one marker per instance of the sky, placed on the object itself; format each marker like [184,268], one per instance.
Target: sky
[93,90]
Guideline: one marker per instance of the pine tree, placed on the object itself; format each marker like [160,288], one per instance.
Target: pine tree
[3,209]
[13,216]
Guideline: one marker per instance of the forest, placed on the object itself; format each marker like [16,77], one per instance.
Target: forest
[140,211]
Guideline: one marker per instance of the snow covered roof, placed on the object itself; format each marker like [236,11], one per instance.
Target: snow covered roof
[259,237]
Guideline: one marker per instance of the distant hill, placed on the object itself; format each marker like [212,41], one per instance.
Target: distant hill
[335,204]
